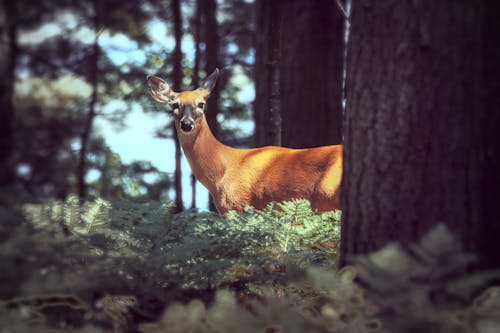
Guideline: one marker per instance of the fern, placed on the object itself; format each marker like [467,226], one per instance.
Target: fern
[96,214]
[270,270]
[72,210]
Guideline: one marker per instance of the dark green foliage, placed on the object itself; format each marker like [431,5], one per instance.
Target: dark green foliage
[401,295]
[425,288]
[124,248]
[123,266]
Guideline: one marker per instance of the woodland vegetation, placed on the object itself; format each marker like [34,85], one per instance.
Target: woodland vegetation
[90,243]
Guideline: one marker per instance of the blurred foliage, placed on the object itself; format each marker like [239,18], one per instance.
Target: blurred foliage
[429,286]
[123,266]
[53,66]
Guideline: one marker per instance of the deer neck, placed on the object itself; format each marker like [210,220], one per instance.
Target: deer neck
[207,156]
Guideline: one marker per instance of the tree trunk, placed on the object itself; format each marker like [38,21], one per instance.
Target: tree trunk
[195,80]
[311,73]
[87,130]
[211,39]
[486,131]
[267,105]
[177,81]
[8,50]
[419,141]
[306,39]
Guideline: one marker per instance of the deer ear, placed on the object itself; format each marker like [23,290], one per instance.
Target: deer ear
[160,90]
[209,84]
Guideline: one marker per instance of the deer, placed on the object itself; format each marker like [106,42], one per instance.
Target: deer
[237,178]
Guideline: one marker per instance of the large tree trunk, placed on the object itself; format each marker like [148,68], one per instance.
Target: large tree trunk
[420,147]
[8,50]
[93,68]
[487,132]
[177,81]
[306,38]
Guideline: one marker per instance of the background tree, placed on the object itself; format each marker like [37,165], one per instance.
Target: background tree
[309,35]
[212,61]
[420,118]
[195,78]
[93,70]
[211,41]
[118,21]
[175,6]
[48,121]
[8,47]
[13,18]
[267,105]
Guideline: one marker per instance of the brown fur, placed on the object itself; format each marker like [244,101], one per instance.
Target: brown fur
[238,177]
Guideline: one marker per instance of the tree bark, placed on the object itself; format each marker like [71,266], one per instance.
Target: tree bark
[486,130]
[300,45]
[267,107]
[8,51]
[195,80]
[419,146]
[211,39]
[311,73]
[91,113]
[177,82]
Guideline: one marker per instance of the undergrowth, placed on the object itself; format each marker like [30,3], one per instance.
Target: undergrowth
[120,266]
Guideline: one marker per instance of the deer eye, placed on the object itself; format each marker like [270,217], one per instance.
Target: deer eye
[175,105]
[201,105]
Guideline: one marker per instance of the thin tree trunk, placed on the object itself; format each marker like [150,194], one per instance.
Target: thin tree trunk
[91,113]
[8,51]
[195,80]
[193,191]
[177,81]
[105,174]
[211,39]
[419,147]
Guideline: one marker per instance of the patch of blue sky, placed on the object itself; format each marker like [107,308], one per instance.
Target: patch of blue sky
[159,35]
[121,50]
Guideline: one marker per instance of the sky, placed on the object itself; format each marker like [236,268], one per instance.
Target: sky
[136,140]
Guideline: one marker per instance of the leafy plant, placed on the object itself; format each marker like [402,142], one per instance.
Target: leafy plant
[106,266]
[142,250]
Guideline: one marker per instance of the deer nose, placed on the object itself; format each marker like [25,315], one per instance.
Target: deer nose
[187,125]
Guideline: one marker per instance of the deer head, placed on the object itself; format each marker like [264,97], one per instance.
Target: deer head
[187,106]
